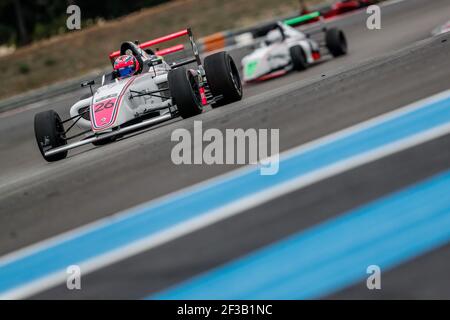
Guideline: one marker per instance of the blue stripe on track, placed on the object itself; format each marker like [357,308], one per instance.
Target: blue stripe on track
[157,216]
[334,254]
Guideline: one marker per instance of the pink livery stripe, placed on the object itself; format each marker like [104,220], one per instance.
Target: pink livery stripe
[104,113]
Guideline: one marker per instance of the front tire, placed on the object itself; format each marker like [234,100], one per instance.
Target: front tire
[185,92]
[223,78]
[49,132]
[298,58]
[336,42]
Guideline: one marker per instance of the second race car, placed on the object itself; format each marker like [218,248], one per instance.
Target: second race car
[285,48]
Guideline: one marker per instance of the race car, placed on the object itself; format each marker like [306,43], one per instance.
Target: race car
[335,9]
[285,48]
[345,6]
[141,91]
[441,29]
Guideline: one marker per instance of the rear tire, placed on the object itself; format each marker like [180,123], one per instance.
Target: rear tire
[298,58]
[223,78]
[49,132]
[185,92]
[336,42]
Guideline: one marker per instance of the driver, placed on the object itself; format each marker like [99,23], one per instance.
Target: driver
[126,66]
[281,32]
[274,36]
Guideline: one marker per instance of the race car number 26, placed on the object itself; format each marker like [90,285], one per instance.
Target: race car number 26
[107,104]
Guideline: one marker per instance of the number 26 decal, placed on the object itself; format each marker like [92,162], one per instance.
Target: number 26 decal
[105,105]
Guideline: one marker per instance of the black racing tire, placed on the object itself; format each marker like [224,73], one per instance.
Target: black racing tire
[298,58]
[185,92]
[49,132]
[336,42]
[223,78]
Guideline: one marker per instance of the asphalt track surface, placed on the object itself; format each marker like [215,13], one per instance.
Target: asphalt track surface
[40,200]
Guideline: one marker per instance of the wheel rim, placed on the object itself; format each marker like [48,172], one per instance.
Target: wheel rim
[343,42]
[195,89]
[235,78]
[61,132]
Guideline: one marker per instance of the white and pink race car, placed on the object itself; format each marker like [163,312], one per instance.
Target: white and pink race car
[158,92]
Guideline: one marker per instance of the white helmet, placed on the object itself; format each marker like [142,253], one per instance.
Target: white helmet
[274,36]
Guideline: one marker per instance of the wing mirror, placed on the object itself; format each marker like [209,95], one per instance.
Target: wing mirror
[88,83]
[155,62]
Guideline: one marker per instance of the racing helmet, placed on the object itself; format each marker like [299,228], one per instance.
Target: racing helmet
[273,36]
[126,66]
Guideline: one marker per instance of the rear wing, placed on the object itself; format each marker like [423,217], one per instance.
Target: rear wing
[316,20]
[170,50]
[306,18]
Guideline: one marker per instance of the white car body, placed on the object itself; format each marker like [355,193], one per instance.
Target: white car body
[121,105]
[268,58]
